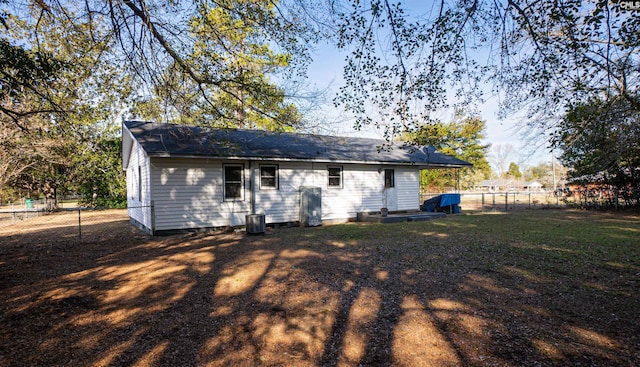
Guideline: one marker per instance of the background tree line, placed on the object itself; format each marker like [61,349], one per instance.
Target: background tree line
[70,70]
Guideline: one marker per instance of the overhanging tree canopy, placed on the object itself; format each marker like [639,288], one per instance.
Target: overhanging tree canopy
[403,65]
[212,58]
[542,56]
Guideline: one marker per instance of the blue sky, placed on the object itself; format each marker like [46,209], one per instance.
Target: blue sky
[326,72]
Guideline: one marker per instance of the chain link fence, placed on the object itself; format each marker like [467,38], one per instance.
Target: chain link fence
[31,222]
[565,198]
[505,201]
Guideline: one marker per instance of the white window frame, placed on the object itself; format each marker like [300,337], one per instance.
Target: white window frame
[276,177]
[340,176]
[224,182]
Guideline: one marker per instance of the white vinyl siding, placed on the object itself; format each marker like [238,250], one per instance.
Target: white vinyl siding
[138,184]
[283,205]
[363,191]
[189,193]
[408,189]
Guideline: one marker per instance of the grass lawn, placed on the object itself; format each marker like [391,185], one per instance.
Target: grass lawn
[527,288]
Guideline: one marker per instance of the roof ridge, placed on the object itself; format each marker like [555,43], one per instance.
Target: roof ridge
[212,128]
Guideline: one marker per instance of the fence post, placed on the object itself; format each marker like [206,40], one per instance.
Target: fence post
[493,205]
[482,207]
[153,218]
[79,225]
[506,201]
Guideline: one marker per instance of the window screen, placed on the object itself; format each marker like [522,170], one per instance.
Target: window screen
[389,178]
[233,181]
[268,177]
[335,176]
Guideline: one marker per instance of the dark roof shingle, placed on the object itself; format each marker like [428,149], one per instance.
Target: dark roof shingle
[169,140]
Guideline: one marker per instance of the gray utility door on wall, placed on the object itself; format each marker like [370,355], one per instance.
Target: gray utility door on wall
[310,206]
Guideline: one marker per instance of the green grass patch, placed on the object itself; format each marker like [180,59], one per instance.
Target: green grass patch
[541,243]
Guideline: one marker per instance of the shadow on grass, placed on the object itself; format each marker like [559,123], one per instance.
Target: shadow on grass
[408,294]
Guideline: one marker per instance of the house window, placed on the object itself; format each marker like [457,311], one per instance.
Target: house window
[389,178]
[268,177]
[335,176]
[233,182]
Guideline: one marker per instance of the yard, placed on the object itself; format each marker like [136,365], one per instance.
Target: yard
[527,288]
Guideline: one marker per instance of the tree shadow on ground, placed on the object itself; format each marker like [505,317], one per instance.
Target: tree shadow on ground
[341,296]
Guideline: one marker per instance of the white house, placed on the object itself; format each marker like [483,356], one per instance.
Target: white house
[510,185]
[188,177]
[497,185]
[533,186]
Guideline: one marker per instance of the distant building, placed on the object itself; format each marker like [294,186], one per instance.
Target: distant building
[509,185]
[533,186]
[496,185]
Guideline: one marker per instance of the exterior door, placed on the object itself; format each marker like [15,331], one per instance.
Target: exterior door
[390,195]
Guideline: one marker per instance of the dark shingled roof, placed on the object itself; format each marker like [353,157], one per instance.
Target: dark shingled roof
[168,140]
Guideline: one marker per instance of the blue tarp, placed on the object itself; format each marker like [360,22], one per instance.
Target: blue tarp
[449,199]
[444,202]
[430,205]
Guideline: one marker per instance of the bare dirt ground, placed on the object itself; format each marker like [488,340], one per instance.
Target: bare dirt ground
[470,290]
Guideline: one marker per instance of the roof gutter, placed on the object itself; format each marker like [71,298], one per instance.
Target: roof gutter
[425,165]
